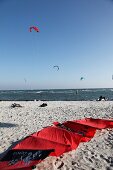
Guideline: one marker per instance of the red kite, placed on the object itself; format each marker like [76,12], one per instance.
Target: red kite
[35,28]
[52,140]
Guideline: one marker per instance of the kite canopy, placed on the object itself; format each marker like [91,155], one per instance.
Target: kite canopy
[52,140]
[82,78]
[35,29]
[56,67]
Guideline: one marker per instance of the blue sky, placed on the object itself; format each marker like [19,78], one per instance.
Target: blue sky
[76,35]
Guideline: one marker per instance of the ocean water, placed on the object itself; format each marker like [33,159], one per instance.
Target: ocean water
[56,94]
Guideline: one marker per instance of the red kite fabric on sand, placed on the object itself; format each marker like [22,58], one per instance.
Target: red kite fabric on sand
[51,141]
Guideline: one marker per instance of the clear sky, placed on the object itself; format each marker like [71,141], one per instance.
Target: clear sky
[76,35]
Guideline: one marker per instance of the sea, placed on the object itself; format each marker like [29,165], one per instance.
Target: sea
[56,94]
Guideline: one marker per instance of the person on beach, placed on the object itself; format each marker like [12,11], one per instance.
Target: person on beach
[101,98]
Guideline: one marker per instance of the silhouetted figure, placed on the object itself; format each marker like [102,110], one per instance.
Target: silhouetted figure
[101,98]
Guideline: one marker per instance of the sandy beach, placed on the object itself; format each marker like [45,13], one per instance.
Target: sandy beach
[17,123]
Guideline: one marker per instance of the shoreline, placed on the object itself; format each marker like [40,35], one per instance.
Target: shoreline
[19,122]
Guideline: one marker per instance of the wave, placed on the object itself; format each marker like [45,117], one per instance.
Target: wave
[39,92]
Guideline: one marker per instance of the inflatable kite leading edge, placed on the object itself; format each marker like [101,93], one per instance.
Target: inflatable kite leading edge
[51,141]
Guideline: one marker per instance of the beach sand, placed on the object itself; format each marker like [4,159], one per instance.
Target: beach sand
[17,123]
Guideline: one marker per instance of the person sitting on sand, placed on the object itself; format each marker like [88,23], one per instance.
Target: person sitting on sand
[101,98]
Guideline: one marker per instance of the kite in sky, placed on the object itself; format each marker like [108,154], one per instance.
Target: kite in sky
[35,29]
[25,80]
[82,78]
[56,67]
